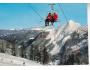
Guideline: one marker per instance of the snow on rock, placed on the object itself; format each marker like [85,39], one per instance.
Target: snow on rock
[51,34]
[65,39]
[55,50]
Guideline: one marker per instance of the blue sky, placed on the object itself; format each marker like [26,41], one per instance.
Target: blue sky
[21,15]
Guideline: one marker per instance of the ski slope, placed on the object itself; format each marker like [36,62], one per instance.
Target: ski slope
[9,60]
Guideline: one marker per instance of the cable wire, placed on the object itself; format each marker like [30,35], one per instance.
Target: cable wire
[36,12]
[63,12]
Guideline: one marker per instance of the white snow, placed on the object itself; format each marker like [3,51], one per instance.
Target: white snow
[75,47]
[66,38]
[6,59]
[31,38]
[55,50]
[37,28]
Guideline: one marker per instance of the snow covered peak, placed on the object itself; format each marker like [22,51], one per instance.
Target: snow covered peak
[73,23]
[72,26]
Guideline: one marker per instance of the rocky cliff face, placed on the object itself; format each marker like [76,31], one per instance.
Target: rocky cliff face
[66,45]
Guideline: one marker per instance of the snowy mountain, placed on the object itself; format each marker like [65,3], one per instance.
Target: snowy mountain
[69,41]
[46,45]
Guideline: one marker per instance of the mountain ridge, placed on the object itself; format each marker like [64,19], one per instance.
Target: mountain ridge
[65,45]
